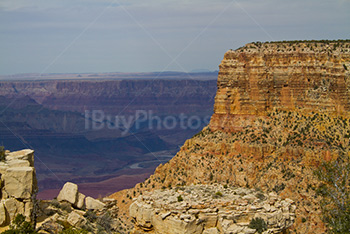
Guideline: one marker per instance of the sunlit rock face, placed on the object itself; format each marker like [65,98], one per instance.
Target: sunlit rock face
[258,77]
[18,186]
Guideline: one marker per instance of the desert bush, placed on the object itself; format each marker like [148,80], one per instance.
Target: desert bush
[73,230]
[217,194]
[91,216]
[20,226]
[258,224]
[105,221]
[55,203]
[335,192]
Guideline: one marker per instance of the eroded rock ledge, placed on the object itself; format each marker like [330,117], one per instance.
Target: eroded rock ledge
[210,209]
[18,186]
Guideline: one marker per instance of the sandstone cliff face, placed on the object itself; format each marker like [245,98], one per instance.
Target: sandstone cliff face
[18,186]
[280,111]
[259,77]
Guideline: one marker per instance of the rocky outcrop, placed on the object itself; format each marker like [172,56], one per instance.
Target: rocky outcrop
[18,186]
[71,210]
[210,209]
[256,78]
[281,110]
[70,193]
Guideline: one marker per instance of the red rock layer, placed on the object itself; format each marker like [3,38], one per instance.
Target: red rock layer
[259,77]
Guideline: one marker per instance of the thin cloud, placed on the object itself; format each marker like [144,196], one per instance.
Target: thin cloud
[32,33]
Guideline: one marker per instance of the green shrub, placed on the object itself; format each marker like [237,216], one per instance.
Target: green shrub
[55,203]
[179,198]
[91,216]
[65,206]
[217,194]
[258,224]
[261,196]
[73,230]
[335,192]
[20,226]
[105,221]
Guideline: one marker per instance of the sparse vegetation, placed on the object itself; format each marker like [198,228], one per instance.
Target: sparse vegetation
[335,192]
[179,198]
[73,230]
[105,222]
[218,194]
[20,226]
[258,224]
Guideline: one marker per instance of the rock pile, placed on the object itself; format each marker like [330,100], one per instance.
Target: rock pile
[18,186]
[210,209]
[71,194]
[72,209]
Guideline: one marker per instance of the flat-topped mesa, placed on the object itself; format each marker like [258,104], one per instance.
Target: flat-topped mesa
[306,75]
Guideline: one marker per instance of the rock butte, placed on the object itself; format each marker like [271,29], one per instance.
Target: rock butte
[289,76]
[280,110]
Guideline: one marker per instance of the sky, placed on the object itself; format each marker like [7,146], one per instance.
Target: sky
[83,36]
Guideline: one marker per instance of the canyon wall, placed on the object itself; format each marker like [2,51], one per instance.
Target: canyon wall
[55,117]
[281,110]
[115,96]
[253,80]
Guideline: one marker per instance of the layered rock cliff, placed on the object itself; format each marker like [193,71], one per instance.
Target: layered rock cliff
[257,78]
[281,110]
[112,124]
[122,97]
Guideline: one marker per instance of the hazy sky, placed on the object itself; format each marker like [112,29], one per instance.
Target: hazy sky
[61,36]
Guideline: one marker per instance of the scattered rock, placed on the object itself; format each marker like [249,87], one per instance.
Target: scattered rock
[154,213]
[68,193]
[76,220]
[93,204]
[80,201]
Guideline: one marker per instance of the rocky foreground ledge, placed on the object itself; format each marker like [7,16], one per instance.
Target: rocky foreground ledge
[211,209]
[18,185]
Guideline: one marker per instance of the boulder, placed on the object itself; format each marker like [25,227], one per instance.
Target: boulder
[80,201]
[28,210]
[27,155]
[76,220]
[13,207]
[68,193]
[93,204]
[2,214]
[19,182]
